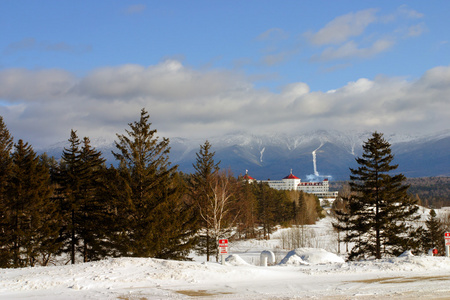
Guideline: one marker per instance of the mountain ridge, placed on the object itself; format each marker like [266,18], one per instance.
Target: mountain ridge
[312,155]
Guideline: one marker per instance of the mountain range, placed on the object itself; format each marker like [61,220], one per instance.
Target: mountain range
[310,156]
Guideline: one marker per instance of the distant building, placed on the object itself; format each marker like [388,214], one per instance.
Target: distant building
[292,182]
[248,177]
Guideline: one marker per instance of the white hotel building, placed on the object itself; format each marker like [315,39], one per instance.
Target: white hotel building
[292,182]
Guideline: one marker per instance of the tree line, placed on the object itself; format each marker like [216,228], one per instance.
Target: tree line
[78,209]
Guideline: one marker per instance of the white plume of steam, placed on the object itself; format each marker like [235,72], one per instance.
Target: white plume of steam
[316,173]
[316,176]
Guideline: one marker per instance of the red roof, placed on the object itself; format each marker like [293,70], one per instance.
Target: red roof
[248,177]
[291,177]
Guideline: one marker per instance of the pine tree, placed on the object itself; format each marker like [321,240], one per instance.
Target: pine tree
[6,145]
[32,228]
[247,218]
[72,177]
[200,191]
[379,206]
[434,233]
[93,214]
[158,223]
[267,207]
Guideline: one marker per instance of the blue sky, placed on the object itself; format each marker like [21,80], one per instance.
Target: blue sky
[205,68]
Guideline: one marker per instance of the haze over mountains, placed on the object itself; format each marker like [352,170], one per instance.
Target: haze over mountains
[311,155]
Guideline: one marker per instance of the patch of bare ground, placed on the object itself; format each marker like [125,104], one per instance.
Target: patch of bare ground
[200,293]
[399,279]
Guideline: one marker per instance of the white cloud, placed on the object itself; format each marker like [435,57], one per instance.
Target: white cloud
[42,106]
[350,50]
[347,36]
[410,13]
[416,30]
[342,28]
[273,34]
[41,85]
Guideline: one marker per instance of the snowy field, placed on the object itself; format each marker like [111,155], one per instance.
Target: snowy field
[307,273]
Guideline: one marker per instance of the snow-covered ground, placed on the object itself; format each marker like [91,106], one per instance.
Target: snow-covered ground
[312,273]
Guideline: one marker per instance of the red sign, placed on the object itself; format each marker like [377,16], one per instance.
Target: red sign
[435,251]
[225,242]
[223,246]
[447,238]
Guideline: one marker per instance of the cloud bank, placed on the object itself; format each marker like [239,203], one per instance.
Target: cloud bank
[41,106]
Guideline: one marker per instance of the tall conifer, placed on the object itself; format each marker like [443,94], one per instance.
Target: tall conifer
[6,145]
[201,190]
[72,177]
[157,222]
[379,206]
[434,233]
[31,208]
[93,214]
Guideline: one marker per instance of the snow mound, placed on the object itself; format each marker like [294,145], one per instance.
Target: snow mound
[306,256]
[407,253]
[236,260]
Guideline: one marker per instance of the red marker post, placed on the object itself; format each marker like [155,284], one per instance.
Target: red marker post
[223,249]
[447,243]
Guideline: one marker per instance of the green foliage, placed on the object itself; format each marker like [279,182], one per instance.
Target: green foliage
[379,207]
[200,191]
[433,236]
[156,221]
[80,179]
[432,191]
[31,219]
[6,145]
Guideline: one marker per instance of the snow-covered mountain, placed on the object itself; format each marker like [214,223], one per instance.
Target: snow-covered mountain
[310,155]
[316,154]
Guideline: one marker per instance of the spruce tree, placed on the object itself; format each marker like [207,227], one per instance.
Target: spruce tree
[379,207]
[247,218]
[32,210]
[81,182]
[268,200]
[72,178]
[6,146]
[200,191]
[157,221]
[434,233]
[93,208]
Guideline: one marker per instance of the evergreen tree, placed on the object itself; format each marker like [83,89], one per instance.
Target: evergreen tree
[93,214]
[200,191]
[81,181]
[379,206]
[434,233]
[6,145]
[72,178]
[267,207]
[34,227]
[248,213]
[157,222]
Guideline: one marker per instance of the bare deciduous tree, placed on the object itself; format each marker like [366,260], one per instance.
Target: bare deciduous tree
[217,210]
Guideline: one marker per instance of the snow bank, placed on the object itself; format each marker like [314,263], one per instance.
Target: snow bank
[236,260]
[407,253]
[306,256]
[407,277]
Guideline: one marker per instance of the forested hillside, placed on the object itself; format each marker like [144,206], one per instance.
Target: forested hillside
[433,192]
